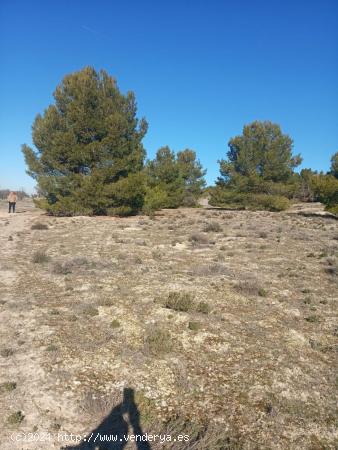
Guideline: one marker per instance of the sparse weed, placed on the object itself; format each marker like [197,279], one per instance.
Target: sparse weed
[90,310]
[61,268]
[313,318]
[6,352]
[40,257]
[39,226]
[198,238]
[251,287]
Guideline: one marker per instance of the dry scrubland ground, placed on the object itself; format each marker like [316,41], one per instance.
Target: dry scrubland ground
[210,316]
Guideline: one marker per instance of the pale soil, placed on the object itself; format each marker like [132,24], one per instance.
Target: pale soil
[262,365]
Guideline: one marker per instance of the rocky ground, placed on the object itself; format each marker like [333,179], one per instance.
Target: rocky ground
[220,325]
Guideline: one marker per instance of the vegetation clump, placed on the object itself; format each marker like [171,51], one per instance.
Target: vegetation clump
[180,301]
[15,418]
[258,173]
[7,386]
[115,323]
[159,341]
[194,326]
[39,226]
[198,238]
[251,287]
[212,227]
[203,308]
[40,257]
[173,180]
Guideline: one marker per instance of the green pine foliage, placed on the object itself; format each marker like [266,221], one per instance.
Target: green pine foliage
[334,165]
[174,180]
[324,188]
[258,173]
[319,187]
[89,155]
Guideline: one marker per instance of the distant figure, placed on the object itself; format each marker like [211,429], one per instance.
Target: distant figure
[12,198]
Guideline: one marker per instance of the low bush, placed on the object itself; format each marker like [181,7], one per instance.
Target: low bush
[212,227]
[203,308]
[121,211]
[6,352]
[40,257]
[61,268]
[159,341]
[198,238]
[231,199]
[115,323]
[7,386]
[39,226]
[155,199]
[180,301]
[15,418]
[194,326]
[251,287]
[90,310]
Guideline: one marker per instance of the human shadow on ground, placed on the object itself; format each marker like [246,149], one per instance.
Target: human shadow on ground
[112,433]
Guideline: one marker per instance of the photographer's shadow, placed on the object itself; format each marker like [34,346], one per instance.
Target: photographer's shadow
[116,428]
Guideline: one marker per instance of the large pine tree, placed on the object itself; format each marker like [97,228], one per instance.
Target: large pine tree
[89,154]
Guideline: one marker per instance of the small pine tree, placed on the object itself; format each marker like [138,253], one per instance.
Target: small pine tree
[261,153]
[89,155]
[192,172]
[260,166]
[177,180]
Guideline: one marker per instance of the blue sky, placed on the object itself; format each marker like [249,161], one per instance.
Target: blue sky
[200,70]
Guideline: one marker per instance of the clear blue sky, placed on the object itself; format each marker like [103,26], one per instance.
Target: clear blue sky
[200,70]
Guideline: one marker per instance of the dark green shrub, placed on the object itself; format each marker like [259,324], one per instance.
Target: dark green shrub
[262,292]
[194,326]
[15,418]
[231,199]
[180,301]
[7,386]
[115,323]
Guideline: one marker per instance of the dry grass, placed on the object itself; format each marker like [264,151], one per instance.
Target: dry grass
[237,351]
